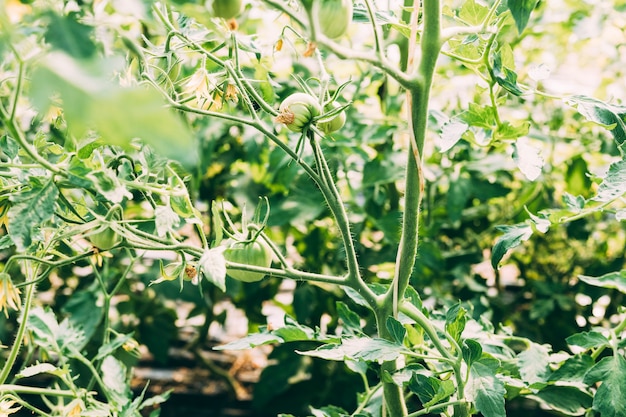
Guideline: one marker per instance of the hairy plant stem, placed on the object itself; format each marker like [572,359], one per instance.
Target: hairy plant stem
[418,95]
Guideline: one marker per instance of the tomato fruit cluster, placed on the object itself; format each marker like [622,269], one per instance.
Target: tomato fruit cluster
[298,110]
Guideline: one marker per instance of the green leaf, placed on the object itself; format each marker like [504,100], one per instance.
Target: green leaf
[29,211]
[292,333]
[110,347]
[68,34]
[588,340]
[371,350]
[609,398]
[382,171]
[508,131]
[528,158]
[91,101]
[451,133]
[166,220]
[456,318]
[473,13]
[430,390]
[213,267]
[459,193]
[115,381]
[472,351]
[9,146]
[521,10]
[250,341]
[505,77]
[479,116]
[614,183]
[84,310]
[612,280]
[534,363]
[568,400]
[358,348]
[396,329]
[486,390]
[573,369]
[513,236]
[351,320]
[608,115]
[40,368]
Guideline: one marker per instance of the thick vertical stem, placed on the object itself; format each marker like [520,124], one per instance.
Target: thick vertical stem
[418,96]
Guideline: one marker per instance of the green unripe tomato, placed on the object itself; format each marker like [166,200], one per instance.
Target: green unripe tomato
[105,238]
[333,17]
[169,68]
[298,110]
[226,9]
[256,253]
[334,124]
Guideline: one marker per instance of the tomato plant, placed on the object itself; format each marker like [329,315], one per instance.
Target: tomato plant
[443,218]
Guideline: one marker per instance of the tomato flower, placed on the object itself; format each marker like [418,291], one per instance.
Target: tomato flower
[6,407]
[9,295]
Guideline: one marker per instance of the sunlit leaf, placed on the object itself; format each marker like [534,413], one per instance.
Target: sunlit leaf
[588,340]
[486,390]
[611,116]
[358,348]
[40,368]
[451,133]
[250,341]
[614,184]
[534,363]
[612,280]
[473,13]
[115,381]
[213,267]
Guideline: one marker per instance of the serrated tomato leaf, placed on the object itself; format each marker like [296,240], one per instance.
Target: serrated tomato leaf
[534,363]
[614,183]
[609,398]
[486,390]
[608,115]
[29,211]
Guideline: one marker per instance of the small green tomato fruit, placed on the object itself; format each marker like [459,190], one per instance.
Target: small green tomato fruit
[105,238]
[334,124]
[256,253]
[226,9]
[297,111]
[333,17]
